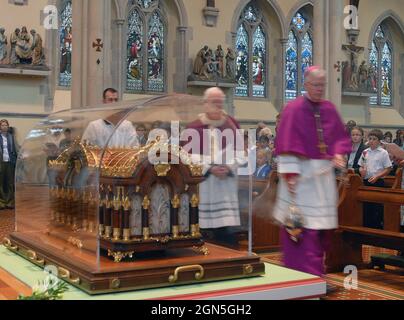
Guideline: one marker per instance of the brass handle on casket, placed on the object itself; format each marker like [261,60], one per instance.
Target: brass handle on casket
[34,258]
[65,275]
[198,275]
[7,243]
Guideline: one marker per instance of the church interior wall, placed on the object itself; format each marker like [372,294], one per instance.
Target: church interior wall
[21,95]
[369,13]
[25,95]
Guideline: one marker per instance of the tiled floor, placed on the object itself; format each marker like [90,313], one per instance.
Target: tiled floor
[372,285]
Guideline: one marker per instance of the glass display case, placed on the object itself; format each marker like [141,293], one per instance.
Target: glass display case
[136,194]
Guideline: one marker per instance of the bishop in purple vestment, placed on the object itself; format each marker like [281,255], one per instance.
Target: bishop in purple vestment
[311,141]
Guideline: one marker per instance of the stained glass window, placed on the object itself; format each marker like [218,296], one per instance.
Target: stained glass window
[65,45]
[251,50]
[135,52]
[145,49]
[307,54]
[242,62]
[250,13]
[258,66]
[373,69]
[386,76]
[299,21]
[145,3]
[155,47]
[380,73]
[299,56]
[379,33]
[291,67]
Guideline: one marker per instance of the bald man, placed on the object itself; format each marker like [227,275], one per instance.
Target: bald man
[219,207]
[311,141]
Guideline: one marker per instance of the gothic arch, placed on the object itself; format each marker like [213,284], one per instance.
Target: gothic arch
[274,5]
[389,14]
[122,5]
[178,43]
[298,6]
[392,20]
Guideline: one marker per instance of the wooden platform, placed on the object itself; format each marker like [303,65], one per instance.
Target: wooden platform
[171,268]
[277,283]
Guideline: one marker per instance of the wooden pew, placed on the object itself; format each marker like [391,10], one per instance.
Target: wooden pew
[347,244]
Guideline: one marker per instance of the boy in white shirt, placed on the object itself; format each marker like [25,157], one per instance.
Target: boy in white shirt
[374,164]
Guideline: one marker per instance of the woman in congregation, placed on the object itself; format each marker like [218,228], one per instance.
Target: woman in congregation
[357,148]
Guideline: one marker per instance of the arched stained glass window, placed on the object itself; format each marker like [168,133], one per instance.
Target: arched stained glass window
[385,84]
[380,68]
[307,54]
[155,47]
[242,45]
[251,50]
[65,45]
[299,55]
[258,66]
[146,36]
[291,67]
[135,52]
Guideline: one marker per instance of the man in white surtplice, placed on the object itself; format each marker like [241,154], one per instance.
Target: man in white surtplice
[109,131]
[219,206]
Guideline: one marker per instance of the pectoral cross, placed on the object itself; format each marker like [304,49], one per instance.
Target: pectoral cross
[320,134]
[322,147]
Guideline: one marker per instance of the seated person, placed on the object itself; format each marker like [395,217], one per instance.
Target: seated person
[263,167]
[263,142]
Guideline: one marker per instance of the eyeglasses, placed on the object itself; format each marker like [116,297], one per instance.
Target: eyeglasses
[317,85]
[373,139]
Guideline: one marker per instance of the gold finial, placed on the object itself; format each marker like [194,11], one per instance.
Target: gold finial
[146,203]
[117,203]
[194,201]
[176,202]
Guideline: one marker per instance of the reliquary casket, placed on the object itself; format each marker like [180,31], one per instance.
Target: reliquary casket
[117,219]
[142,206]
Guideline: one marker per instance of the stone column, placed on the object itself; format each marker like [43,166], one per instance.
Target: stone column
[97,63]
[319,32]
[79,53]
[91,68]
[119,82]
[49,86]
[335,32]
[182,70]
[280,101]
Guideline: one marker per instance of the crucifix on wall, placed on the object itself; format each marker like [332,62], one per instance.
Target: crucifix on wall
[98,44]
[350,68]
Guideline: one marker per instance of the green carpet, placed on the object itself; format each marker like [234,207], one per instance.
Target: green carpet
[31,274]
